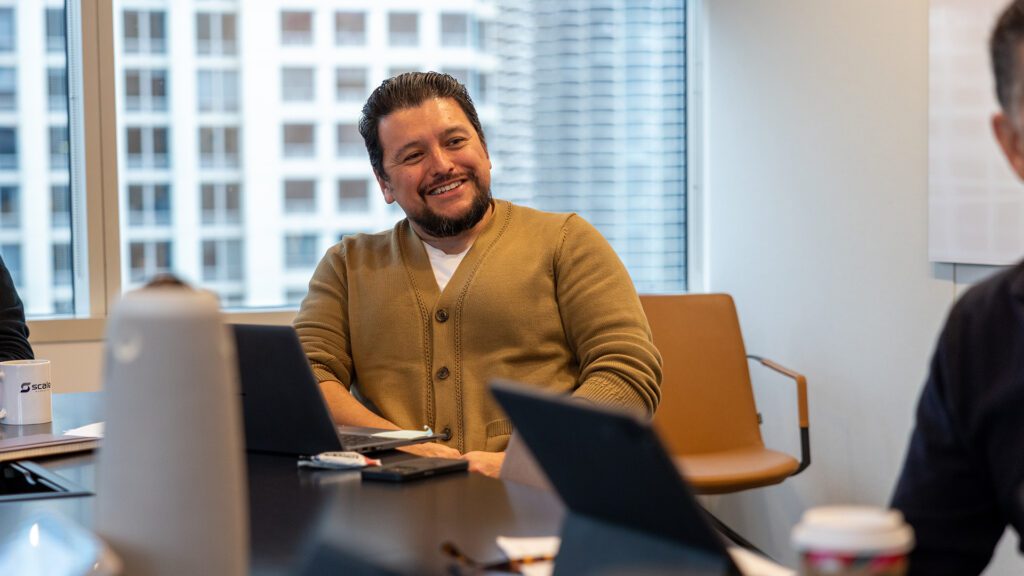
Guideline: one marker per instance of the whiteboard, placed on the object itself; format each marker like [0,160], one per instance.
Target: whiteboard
[975,202]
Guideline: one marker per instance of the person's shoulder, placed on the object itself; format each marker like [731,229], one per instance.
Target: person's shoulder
[541,219]
[991,299]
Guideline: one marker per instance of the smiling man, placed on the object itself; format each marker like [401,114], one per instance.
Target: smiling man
[405,327]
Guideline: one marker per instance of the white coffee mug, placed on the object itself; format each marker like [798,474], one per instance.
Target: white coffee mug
[25,392]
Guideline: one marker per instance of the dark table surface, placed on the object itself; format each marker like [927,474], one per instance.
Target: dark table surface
[298,513]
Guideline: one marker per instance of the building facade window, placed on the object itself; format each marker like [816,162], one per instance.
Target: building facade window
[222,260]
[60,205]
[144,89]
[8,41]
[403,29]
[350,84]
[299,196]
[147,147]
[8,148]
[55,30]
[220,202]
[349,28]
[10,206]
[216,34]
[218,147]
[59,156]
[353,195]
[298,140]
[300,251]
[8,88]
[454,29]
[297,84]
[147,259]
[57,89]
[144,32]
[62,264]
[349,141]
[296,28]
[149,204]
[11,253]
[218,90]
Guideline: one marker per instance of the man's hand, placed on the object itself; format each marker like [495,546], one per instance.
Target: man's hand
[486,463]
[432,450]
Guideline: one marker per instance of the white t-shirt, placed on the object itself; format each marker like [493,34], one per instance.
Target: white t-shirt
[444,265]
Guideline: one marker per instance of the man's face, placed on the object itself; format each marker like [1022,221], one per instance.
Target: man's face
[437,168]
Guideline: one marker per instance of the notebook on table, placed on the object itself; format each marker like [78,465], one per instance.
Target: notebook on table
[611,467]
[282,407]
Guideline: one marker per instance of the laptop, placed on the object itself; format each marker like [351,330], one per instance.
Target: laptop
[282,407]
[611,467]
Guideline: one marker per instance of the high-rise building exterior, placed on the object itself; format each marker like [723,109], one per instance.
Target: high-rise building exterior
[239,161]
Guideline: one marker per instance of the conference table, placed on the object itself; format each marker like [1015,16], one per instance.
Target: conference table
[304,520]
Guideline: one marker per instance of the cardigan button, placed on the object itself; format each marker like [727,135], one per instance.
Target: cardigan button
[443,373]
[447,432]
[441,315]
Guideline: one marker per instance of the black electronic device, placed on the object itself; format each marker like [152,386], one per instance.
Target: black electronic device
[414,469]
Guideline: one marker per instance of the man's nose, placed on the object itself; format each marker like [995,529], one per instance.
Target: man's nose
[440,161]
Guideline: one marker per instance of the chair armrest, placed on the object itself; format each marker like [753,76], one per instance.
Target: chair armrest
[801,394]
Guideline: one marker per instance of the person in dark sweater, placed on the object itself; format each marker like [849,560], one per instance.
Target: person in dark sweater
[961,481]
[13,330]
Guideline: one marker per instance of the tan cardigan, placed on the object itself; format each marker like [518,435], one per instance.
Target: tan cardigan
[539,298]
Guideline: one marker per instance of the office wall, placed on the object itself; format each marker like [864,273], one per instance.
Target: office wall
[816,198]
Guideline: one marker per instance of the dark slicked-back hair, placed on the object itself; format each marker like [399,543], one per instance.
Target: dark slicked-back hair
[1005,46]
[409,90]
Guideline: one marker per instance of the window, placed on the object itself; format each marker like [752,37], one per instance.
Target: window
[57,89]
[349,28]
[55,30]
[218,147]
[353,195]
[294,296]
[145,89]
[11,253]
[297,84]
[300,251]
[296,28]
[62,264]
[9,88]
[299,196]
[350,142]
[350,85]
[147,147]
[10,207]
[59,147]
[215,34]
[298,140]
[218,90]
[403,29]
[60,206]
[144,32]
[8,148]
[149,204]
[222,260]
[454,29]
[7,38]
[147,259]
[221,203]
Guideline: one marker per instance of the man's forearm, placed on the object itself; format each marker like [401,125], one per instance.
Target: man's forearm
[345,409]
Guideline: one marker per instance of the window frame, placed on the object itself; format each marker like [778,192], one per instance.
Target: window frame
[98,288]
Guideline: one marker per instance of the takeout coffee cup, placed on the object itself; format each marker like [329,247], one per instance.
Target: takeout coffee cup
[25,392]
[853,541]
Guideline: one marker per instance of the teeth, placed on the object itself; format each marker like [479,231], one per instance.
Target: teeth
[444,189]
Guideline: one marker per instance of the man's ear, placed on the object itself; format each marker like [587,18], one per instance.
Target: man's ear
[385,188]
[1010,141]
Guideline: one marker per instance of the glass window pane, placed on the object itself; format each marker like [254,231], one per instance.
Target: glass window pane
[9,89]
[7,39]
[591,118]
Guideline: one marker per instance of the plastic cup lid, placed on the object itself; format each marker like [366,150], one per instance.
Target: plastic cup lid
[853,529]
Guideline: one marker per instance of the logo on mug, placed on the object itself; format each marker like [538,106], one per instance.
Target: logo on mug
[28,386]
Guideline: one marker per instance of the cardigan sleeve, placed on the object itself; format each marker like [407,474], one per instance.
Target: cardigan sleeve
[13,329]
[322,322]
[604,322]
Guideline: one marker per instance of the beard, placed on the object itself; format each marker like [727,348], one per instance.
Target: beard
[440,226]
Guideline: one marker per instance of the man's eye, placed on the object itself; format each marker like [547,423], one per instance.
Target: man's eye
[411,157]
[456,141]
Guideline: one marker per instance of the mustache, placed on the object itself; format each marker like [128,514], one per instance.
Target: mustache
[470,176]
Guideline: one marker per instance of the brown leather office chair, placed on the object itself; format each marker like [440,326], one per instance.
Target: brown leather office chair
[707,416]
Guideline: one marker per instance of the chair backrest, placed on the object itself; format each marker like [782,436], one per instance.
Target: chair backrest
[707,403]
